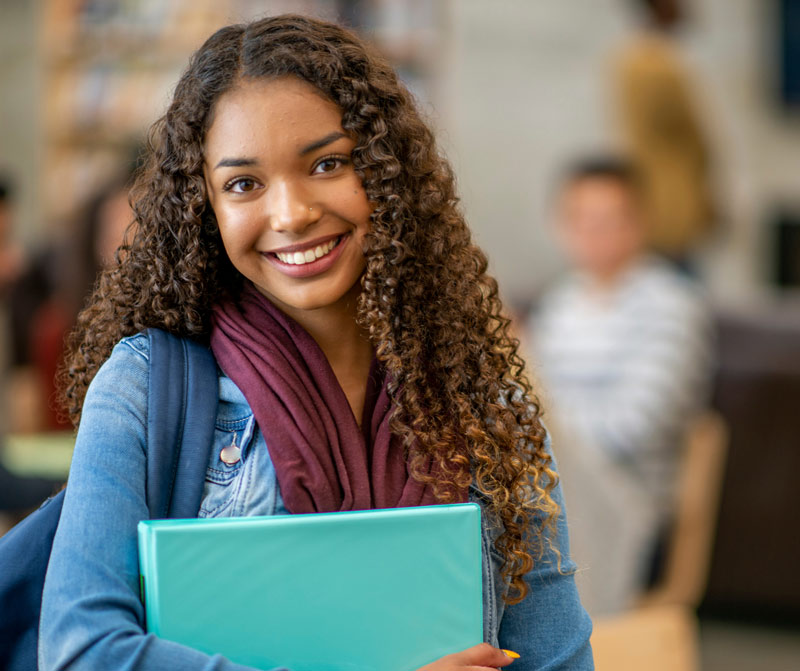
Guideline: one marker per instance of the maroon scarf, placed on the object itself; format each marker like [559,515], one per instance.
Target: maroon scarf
[323,460]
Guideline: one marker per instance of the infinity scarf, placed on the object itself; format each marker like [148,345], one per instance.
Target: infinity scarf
[323,460]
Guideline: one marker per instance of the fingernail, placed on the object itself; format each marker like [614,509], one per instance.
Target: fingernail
[511,653]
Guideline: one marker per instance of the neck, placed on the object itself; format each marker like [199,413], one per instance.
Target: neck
[345,344]
[336,331]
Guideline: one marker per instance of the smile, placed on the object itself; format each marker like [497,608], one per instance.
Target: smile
[309,259]
[310,255]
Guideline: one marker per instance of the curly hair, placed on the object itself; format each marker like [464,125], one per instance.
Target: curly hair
[432,312]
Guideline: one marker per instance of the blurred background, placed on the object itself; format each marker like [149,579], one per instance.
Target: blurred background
[702,98]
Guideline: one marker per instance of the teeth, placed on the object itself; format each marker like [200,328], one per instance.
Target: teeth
[301,258]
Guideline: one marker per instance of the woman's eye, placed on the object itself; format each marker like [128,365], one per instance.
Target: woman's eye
[328,165]
[240,185]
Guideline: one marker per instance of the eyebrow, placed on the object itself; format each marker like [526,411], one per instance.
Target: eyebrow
[235,162]
[318,144]
[238,162]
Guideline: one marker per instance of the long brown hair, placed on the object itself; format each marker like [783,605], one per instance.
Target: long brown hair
[432,312]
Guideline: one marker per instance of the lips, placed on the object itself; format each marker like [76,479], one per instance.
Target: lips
[309,255]
[306,260]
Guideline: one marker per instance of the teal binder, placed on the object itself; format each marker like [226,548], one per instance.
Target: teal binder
[379,590]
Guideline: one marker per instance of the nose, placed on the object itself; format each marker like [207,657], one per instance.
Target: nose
[289,208]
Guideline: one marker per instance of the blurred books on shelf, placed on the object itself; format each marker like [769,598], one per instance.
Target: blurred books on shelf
[110,65]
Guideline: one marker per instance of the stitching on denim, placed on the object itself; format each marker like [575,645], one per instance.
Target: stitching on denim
[488,574]
[492,548]
[248,437]
[244,478]
[214,512]
[233,424]
[222,477]
[133,341]
[229,471]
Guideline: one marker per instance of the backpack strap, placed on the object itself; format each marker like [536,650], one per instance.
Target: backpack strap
[181,413]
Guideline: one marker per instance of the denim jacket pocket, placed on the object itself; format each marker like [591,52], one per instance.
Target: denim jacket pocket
[223,478]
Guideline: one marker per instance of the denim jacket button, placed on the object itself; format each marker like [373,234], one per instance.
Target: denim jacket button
[230,454]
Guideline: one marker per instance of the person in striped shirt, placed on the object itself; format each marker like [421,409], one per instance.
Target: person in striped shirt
[622,348]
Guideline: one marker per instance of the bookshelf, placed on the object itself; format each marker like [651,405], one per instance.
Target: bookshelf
[109,67]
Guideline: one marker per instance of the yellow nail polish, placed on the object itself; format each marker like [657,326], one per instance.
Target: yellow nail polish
[511,653]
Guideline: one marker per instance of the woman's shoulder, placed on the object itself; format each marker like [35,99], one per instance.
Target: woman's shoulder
[138,344]
[127,364]
[125,371]
[130,361]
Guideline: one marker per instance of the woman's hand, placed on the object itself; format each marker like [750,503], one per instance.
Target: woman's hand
[477,658]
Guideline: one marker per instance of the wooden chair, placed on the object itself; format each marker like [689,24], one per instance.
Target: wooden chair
[655,638]
[685,573]
[661,633]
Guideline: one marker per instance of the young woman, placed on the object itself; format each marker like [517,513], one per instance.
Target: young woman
[295,215]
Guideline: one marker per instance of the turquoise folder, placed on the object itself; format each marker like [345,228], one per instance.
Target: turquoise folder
[380,590]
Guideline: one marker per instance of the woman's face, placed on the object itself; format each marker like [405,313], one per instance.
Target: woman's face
[291,210]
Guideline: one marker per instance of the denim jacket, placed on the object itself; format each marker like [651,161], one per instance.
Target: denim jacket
[92,617]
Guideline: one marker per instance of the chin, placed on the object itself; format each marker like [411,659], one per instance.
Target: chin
[309,298]
[307,304]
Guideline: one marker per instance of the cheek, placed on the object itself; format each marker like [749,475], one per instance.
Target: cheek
[364,218]
[354,204]
[225,230]
[235,228]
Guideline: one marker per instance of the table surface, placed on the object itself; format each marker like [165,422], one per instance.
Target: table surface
[45,455]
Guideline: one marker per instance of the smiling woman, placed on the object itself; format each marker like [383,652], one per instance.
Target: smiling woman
[295,216]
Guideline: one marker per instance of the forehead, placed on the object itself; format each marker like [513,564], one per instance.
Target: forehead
[285,110]
[599,190]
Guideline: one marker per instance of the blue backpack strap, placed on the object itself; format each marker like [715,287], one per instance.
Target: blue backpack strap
[181,415]
[24,554]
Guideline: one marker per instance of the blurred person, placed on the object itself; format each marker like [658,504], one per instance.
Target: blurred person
[17,494]
[11,267]
[47,299]
[663,133]
[99,233]
[622,348]
[10,264]
[11,258]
